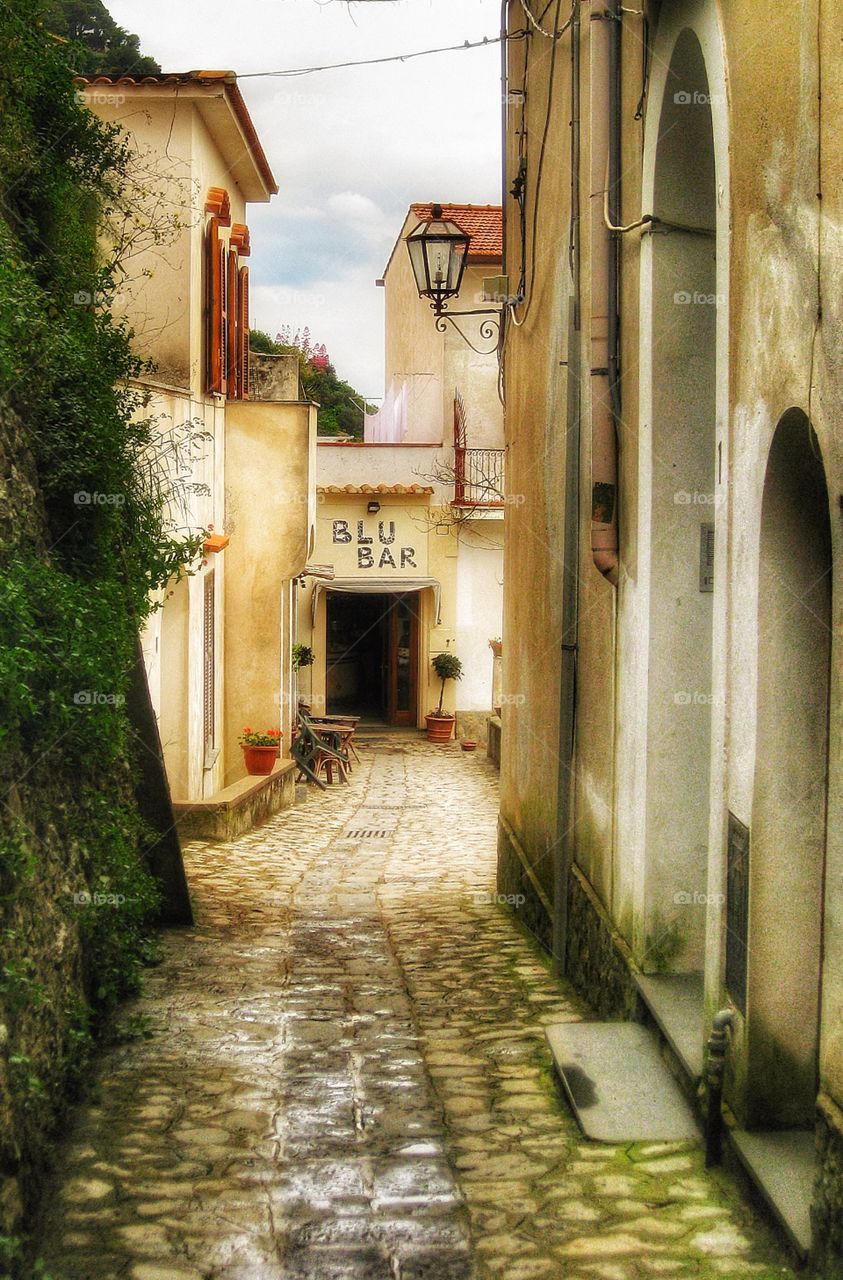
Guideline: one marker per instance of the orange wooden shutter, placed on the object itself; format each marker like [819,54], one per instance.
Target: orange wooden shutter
[232,327]
[213,308]
[222,331]
[243,373]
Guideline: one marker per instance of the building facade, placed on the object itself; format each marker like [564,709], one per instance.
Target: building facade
[218,651]
[671,800]
[410,521]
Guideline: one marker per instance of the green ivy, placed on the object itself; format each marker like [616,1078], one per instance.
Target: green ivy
[76,581]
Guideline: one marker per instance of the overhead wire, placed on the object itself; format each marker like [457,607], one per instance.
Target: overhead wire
[517,322]
[370,62]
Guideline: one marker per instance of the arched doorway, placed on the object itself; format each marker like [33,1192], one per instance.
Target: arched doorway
[679,417]
[788,830]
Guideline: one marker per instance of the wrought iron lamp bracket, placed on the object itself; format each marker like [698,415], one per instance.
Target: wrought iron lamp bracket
[489,329]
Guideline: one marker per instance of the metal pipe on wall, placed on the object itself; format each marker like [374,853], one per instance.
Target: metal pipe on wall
[604,66]
[570,547]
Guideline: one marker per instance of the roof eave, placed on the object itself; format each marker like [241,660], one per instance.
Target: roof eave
[221,106]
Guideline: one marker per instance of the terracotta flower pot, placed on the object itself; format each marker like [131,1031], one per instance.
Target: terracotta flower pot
[468,744]
[259,760]
[440,728]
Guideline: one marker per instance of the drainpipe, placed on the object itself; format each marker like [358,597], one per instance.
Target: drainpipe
[504,113]
[718,1043]
[570,548]
[605,174]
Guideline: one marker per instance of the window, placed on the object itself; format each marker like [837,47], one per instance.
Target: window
[226,302]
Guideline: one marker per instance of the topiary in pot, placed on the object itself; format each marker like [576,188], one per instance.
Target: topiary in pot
[440,724]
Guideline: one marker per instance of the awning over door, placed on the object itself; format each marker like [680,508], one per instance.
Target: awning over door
[378,586]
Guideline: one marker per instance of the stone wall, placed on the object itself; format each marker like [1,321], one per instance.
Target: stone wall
[75,893]
[472,724]
[598,960]
[827,1209]
[515,881]
[242,806]
[493,740]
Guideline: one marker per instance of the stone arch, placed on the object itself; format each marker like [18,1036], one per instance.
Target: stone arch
[789,809]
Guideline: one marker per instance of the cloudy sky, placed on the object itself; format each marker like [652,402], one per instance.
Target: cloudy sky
[350,149]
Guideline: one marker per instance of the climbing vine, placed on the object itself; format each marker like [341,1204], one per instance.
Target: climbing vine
[87,537]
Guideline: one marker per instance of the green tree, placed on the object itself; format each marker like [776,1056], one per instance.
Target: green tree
[97,45]
[340,406]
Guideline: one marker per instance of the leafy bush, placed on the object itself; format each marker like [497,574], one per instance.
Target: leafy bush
[84,542]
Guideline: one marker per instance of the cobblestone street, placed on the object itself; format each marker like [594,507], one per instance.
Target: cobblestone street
[347,1077]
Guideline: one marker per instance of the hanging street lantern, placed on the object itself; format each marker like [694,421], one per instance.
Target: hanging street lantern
[438,251]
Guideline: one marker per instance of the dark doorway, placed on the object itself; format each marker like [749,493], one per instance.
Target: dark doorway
[372,652]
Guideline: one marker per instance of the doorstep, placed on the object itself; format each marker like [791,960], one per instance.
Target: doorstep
[236,809]
[676,1003]
[782,1165]
[619,1086]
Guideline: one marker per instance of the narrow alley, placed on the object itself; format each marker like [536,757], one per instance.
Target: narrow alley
[345,1075]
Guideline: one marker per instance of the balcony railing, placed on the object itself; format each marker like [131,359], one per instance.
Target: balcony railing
[478,477]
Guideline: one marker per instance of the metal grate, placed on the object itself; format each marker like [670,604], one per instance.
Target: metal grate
[737,911]
[367,833]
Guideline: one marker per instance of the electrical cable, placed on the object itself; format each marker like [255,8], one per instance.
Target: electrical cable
[369,62]
[812,437]
[540,167]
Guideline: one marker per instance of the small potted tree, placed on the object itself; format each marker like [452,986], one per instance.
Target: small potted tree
[440,725]
[260,750]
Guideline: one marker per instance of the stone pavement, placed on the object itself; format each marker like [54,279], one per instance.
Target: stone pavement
[348,1080]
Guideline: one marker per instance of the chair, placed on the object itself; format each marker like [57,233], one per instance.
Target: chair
[349,727]
[314,753]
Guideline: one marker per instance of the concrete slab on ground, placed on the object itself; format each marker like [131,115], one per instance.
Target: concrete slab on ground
[676,1002]
[618,1084]
[782,1165]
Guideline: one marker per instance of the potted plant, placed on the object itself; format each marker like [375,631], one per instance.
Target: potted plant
[440,725]
[303,656]
[260,750]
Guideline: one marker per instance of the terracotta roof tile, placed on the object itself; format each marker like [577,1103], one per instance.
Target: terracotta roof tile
[374,488]
[483,222]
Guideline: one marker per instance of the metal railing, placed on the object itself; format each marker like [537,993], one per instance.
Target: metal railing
[478,477]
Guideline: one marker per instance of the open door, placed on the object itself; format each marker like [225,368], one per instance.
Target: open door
[403,660]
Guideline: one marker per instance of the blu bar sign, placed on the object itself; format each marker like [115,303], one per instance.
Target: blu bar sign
[366,548]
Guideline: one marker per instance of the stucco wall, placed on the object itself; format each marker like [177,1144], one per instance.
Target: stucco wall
[268,477]
[770,353]
[425,366]
[433,552]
